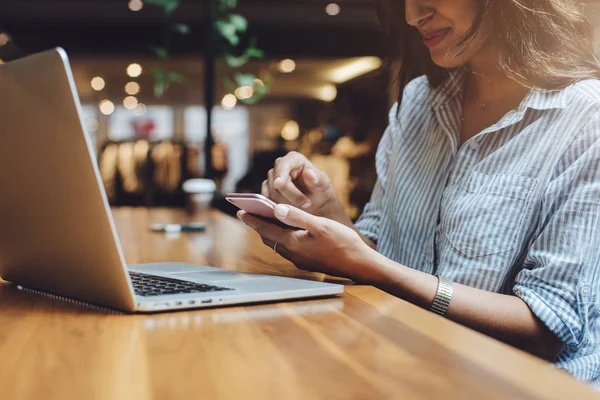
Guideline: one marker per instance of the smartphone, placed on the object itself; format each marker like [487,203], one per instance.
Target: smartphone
[254,204]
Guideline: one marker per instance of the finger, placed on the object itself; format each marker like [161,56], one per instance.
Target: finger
[310,181]
[285,172]
[265,229]
[274,193]
[270,178]
[282,251]
[297,218]
[288,168]
[270,243]
[264,189]
[294,195]
[294,166]
[313,180]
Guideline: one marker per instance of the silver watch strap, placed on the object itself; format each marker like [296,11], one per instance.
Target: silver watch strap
[443,296]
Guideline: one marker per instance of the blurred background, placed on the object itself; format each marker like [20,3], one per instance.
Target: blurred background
[279,75]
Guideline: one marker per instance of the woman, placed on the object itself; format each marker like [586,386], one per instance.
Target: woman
[487,204]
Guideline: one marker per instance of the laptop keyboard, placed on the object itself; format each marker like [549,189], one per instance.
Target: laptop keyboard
[152,285]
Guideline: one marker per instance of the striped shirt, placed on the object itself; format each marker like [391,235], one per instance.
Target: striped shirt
[514,210]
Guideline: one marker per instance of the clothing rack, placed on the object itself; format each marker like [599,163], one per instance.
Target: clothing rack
[141,172]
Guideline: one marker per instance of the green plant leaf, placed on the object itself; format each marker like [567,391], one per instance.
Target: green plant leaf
[268,79]
[258,96]
[160,83]
[163,79]
[175,77]
[160,52]
[251,100]
[228,3]
[159,74]
[244,79]
[183,29]
[234,40]
[228,84]
[261,89]
[236,61]
[253,52]
[168,6]
[240,23]
[159,89]
[171,6]
[228,32]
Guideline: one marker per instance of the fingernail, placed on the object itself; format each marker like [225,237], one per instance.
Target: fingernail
[239,214]
[277,180]
[282,211]
[306,205]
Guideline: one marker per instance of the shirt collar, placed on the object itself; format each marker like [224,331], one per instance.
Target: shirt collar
[446,102]
[451,90]
[542,99]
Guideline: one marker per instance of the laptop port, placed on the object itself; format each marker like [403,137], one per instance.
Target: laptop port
[207,301]
[179,303]
[192,302]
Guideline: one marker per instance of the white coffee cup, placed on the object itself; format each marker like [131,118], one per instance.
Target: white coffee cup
[201,191]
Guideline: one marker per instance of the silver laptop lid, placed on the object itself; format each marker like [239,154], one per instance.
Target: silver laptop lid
[56,231]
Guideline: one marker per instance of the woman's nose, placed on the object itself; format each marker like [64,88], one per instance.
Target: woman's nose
[417,12]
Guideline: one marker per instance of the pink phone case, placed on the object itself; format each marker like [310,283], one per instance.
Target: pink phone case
[255,204]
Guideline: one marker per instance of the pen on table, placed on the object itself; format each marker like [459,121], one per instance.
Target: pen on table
[170,228]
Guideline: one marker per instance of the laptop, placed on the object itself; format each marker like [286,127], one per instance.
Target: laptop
[57,235]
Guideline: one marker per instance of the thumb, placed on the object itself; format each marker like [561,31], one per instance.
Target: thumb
[297,218]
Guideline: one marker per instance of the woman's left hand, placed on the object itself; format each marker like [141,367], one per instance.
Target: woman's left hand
[319,245]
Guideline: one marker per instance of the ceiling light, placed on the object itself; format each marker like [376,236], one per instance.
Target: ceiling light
[107,107]
[332,9]
[353,68]
[4,39]
[286,66]
[244,92]
[290,130]
[327,93]
[132,88]
[134,70]
[229,101]
[130,102]
[136,5]
[97,83]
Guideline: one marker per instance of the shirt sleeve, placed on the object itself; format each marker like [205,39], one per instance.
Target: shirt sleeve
[560,281]
[369,222]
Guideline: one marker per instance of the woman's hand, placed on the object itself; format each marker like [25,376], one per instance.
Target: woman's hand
[296,181]
[319,245]
[323,245]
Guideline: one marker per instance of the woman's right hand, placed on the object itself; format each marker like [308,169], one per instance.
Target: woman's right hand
[296,181]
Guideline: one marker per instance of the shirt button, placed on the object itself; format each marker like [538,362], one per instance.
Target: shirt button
[585,290]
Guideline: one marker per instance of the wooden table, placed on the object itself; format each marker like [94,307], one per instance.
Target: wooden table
[365,344]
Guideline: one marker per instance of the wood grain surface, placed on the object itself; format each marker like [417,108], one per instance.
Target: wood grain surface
[364,344]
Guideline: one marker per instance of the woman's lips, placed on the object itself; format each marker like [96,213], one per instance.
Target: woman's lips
[434,38]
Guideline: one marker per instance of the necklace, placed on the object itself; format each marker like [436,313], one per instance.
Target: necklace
[479,104]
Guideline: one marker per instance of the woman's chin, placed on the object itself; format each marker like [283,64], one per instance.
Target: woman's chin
[444,60]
